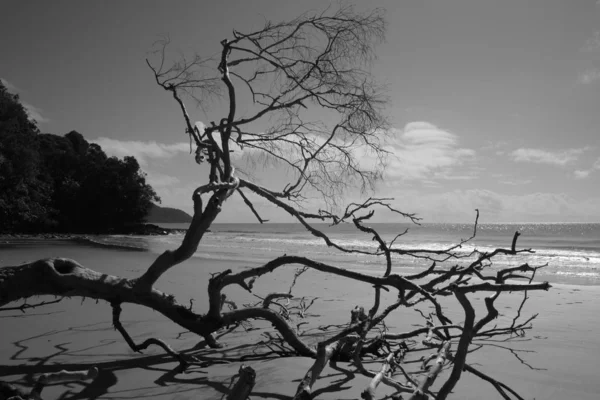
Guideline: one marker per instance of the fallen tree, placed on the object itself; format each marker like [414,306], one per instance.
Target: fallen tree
[295,75]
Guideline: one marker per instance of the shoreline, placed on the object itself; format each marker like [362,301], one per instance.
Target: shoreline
[76,333]
[147,229]
[80,240]
[91,239]
[136,243]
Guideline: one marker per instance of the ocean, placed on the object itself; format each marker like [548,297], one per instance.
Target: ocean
[571,251]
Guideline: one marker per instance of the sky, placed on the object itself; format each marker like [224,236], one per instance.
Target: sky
[494,105]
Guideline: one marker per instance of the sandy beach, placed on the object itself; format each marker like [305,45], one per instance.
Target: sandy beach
[77,334]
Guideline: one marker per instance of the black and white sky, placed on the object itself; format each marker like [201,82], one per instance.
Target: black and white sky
[495,104]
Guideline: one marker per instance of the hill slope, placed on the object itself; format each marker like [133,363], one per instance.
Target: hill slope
[158,215]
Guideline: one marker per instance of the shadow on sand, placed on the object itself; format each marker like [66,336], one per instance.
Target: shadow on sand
[211,375]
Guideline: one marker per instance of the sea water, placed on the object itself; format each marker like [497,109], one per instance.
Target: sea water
[569,252]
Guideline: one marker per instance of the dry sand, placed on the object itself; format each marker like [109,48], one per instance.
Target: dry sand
[75,335]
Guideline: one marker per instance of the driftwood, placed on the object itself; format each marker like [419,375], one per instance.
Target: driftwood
[324,354]
[369,392]
[391,361]
[421,392]
[9,391]
[243,386]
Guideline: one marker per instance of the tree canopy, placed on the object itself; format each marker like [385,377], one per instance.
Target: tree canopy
[63,183]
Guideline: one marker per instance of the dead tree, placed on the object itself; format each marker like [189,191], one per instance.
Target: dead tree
[311,105]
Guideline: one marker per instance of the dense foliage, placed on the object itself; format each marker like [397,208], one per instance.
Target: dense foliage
[63,183]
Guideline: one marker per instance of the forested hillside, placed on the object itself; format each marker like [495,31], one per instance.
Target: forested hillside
[63,183]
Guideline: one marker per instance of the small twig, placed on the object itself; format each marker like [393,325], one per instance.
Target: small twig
[267,301]
[297,274]
[26,306]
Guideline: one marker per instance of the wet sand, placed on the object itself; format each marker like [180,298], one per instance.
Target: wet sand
[76,334]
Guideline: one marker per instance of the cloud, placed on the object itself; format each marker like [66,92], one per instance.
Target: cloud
[516,182]
[494,145]
[158,179]
[539,156]
[592,48]
[585,173]
[589,76]
[459,206]
[593,43]
[420,151]
[34,113]
[423,151]
[141,150]
[9,86]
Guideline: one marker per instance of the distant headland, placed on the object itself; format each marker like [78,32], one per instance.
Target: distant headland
[168,215]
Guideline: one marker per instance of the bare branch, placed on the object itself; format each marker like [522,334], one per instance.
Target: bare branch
[147,343]
[27,306]
[251,206]
[324,354]
[433,373]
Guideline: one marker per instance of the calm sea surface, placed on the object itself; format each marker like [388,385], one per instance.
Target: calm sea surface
[572,251]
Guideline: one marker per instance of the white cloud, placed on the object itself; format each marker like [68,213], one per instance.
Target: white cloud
[494,145]
[34,113]
[459,206]
[593,43]
[539,156]
[582,174]
[158,179]
[141,150]
[9,86]
[516,182]
[420,151]
[450,177]
[423,151]
[589,76]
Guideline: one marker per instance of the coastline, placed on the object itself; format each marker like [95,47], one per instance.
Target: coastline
[146,229]
[91,239]
[75,333]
